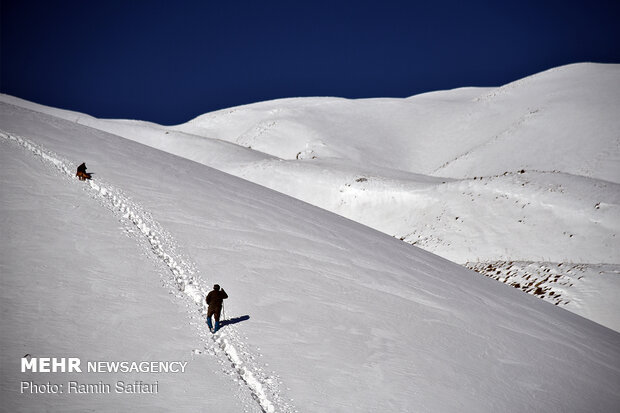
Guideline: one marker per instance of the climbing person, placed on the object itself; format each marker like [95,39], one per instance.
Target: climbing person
[215,300]
[81,172]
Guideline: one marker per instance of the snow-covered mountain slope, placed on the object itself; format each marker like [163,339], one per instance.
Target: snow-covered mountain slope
[527,172]
[563,119]
[329,315]
[74,284]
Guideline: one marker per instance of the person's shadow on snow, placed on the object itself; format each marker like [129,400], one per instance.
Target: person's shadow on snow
[234,320]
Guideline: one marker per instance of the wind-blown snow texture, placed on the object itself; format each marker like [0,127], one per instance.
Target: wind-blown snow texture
[334,316]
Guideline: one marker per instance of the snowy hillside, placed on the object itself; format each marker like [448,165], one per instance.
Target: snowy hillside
[523,177]
[327,315]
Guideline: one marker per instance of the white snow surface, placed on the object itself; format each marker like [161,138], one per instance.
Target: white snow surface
[330,315]
[528,172]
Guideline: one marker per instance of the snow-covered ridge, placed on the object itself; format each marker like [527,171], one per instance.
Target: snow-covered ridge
[533,123]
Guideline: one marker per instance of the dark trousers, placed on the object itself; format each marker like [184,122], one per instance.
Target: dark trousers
[215,312]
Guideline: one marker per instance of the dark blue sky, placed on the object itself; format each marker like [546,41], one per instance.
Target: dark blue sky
[169,61]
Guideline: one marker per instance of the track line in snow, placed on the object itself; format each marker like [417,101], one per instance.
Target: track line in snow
[184,274]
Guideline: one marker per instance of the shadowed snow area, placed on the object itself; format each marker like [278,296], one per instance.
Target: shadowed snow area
[331,315]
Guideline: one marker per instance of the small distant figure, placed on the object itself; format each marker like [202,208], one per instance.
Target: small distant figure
[215,300]
[81,172]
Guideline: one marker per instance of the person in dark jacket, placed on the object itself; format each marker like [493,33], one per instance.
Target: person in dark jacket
[215,300]
[81,172]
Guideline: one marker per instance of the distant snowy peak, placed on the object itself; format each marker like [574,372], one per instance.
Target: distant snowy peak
[578,75]
[563,119]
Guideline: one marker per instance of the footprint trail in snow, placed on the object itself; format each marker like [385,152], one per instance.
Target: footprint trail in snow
[184,276]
